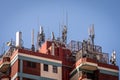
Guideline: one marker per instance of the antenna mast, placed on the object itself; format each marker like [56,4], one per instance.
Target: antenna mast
[33,37]
[64,34]
[92,33]
[52,36]
[33,47]
[40,37]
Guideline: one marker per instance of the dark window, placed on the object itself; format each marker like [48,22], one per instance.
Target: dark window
[45,66]
[55,70]
[31,64]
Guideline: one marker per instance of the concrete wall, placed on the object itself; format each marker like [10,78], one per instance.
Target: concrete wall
[5,79]
[75,77]
[50,74]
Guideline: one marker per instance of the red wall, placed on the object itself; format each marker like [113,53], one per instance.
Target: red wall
[15,68]
[107,77]
[29,70]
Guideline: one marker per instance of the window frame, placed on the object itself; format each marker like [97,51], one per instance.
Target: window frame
[55,69]
[31,64]
[45,67]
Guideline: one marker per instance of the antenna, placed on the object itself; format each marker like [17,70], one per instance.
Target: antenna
[40,37]
[64,31]
[64,34]
[19,41]
[33,47]
[53,36]
[41,30]
[33,37]
[92,33]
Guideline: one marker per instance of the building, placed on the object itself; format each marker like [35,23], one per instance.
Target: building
[56,60]
[92,64]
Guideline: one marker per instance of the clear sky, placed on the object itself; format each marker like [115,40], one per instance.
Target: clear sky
[24,15]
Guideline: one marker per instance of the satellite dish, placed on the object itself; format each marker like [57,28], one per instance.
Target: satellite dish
[9,44]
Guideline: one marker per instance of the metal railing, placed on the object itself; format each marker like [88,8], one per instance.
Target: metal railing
[85,49]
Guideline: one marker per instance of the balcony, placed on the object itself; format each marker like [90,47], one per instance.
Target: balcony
[4,64]
[98,57]
[87,64]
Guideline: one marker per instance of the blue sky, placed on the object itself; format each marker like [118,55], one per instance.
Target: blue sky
[24,15]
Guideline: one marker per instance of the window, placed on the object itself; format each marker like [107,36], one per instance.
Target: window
[45,66]
[31,64]
[55,70]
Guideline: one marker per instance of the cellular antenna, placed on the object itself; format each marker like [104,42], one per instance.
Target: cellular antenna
[65,30]
[33,37]
[19,41]
[33,47]
[113,58]
[64,34]
[92,33]
[41,30]
[40,37]
[52,36]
